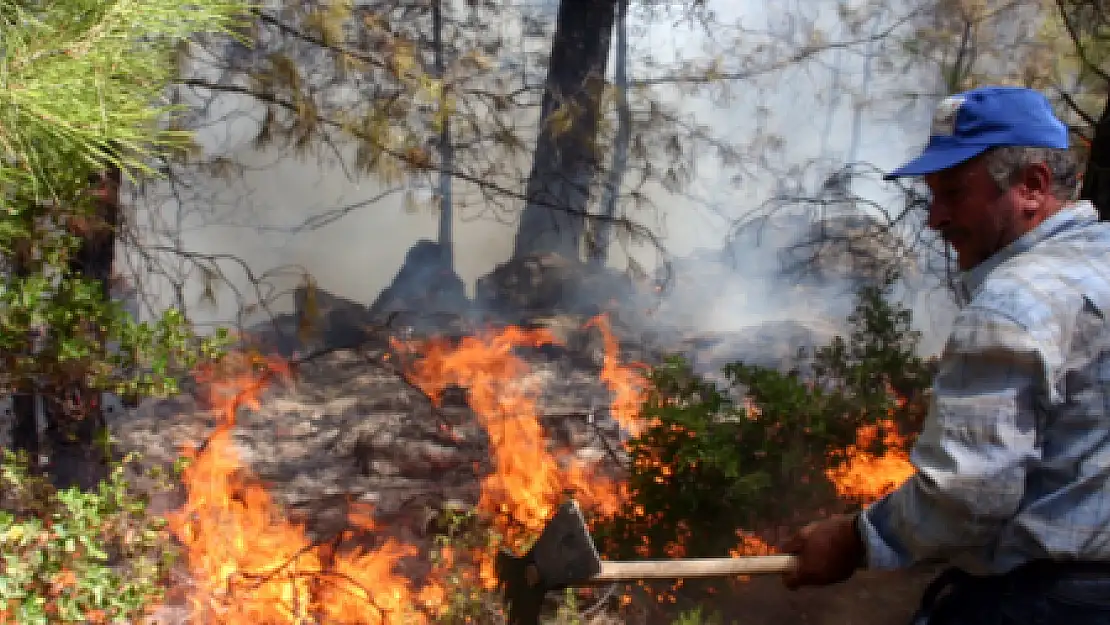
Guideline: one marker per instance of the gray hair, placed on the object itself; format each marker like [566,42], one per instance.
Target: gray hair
[1006,163]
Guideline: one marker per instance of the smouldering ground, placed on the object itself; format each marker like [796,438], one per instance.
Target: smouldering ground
[238,531]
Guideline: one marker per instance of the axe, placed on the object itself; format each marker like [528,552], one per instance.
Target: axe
[565,556]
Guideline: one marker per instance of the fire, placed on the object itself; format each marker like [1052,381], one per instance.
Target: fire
[527,482]
[748,544]
[865,477]
[251,565]
[628,385]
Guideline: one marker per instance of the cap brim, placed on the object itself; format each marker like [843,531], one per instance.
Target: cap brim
[935,159]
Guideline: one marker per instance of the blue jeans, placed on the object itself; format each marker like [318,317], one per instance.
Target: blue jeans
[1040,597]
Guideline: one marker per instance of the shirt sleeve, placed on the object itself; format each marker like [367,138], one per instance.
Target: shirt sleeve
[976,445]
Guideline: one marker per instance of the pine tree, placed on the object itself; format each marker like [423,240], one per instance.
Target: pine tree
[82,94]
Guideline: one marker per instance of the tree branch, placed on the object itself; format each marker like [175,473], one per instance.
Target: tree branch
[1077,40]
[423,165]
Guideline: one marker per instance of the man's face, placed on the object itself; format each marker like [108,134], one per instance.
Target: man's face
[972,214]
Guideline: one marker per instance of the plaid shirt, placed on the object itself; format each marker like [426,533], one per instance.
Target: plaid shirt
[1013,462]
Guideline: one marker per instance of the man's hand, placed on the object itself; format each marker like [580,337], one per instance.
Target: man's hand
[828,551]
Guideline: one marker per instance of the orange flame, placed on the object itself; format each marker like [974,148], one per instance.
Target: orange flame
[749,544]
[866,477]
[527,482]
[251,565]
[628,385]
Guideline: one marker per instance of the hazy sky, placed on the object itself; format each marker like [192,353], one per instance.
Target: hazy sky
[358,255]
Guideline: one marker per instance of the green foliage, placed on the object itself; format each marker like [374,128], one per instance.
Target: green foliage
[461,532]
[880,354]
[709,465]
[81,89]
[696,617]
[568,612]
[148,360]
[74,557]
[77,74]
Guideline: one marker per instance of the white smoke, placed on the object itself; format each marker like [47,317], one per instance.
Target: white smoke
[822,111]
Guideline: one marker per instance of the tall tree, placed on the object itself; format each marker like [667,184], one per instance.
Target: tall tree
[1084,86]
[1056,46]
[363,86]
[1096,178]
[598,244]
[446,150]
[566,156]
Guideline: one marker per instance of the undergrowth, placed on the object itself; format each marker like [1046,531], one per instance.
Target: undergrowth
[77,557]
[710,464]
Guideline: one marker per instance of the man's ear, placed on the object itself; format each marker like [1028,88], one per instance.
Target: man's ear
[1035,184]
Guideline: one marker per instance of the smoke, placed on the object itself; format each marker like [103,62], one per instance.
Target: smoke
[807,123]
[286,216]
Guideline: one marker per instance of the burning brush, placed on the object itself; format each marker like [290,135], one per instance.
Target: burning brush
[250,564]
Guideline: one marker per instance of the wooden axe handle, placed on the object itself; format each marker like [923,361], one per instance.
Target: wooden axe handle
[612,571]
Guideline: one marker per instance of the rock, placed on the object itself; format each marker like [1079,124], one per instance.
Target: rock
[325,319]
[426,293]
[549,284]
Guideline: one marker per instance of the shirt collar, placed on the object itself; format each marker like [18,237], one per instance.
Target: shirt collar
[1079,213]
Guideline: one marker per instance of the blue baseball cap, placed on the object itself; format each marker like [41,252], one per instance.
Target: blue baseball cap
[967,124]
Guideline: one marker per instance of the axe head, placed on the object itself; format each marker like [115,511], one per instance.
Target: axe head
[564,555]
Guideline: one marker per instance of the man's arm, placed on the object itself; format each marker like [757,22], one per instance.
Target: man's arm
[974,449]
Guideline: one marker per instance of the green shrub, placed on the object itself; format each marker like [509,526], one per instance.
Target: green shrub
[708,466]
[77,557]
[696,617]
[83,94]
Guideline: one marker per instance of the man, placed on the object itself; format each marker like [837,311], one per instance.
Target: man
[1013,461]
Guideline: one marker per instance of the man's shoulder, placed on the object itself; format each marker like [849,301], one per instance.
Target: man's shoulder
[1048,285]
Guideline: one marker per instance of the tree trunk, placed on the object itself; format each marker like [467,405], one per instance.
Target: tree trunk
[74,416]
[94,257]
[599,252]
[1096,180]
[446,150]
[25,427]
[565,160]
